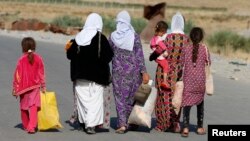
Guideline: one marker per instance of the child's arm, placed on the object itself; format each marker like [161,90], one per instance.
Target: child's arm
[162,45]
[16,80]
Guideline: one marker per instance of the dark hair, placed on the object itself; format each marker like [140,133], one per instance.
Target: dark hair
[29,46]
[161,26]
[196,36]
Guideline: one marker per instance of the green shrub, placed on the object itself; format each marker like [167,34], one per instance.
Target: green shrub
[66,21]
[109,24]
[139,24]
[223,40]
[188,26]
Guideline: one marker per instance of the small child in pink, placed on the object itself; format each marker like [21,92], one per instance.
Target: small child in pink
[159,48]
[29,79]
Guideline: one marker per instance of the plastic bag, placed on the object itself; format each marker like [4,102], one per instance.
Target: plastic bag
[209,81]
[48,116]
[177,98]
[142,114]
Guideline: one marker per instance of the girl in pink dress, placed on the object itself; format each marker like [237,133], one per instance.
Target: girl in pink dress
[29,78]
[159,50]
[194,79]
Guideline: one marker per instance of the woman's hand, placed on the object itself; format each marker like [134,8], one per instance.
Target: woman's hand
[145,78]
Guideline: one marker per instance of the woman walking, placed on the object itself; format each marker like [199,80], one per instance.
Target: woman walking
[128,68]
[90,54]
[166,118]
[196,57]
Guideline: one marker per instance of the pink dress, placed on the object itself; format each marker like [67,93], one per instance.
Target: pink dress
[194,77]
[28,79]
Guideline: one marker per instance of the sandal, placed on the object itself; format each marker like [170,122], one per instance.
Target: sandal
[177,127]
[121,130]
[32,131]
[158,129]
[201,131]
[185,132]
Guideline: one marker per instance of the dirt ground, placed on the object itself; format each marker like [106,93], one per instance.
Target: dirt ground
[212,15]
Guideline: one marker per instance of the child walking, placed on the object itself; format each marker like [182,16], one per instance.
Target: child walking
[29,79]
[194,79]
[159,50]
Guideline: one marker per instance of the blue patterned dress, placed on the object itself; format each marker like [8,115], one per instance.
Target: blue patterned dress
[127,69]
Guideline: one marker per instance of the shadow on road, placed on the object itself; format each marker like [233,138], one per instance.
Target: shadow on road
[20,126]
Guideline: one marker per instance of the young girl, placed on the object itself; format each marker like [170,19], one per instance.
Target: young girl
[159,48]
[29,78]
[194,79]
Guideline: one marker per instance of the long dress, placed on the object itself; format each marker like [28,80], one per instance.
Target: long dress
[194,77]
[90,72]
[164,111]
[127,67]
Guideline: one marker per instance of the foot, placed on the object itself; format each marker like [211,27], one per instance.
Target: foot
[201,131]
[90,130]
[31,131]
[82,126]
[121,130]
[177,127]
[185,132]
[165,85]
[158,129]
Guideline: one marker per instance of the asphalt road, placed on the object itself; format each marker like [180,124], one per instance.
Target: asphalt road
[229,105]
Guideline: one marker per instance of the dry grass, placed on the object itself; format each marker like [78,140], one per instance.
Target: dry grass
[237,12]
[232,15]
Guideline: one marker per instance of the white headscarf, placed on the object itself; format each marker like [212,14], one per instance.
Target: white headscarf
[177,25]
[124,35]
[92,25]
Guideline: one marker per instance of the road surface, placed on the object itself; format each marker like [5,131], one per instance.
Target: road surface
[229,105]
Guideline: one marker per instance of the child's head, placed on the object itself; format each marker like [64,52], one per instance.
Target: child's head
[196,35]
[29,46]
[161,28]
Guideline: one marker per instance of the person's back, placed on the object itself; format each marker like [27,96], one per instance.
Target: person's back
[91,62]
[29,72]
[89,54]
[176,42]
